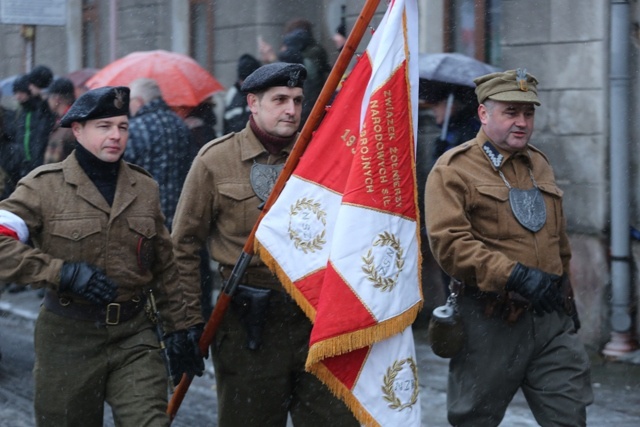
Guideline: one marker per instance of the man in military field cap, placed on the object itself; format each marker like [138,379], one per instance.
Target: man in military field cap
[262,343]
[89,230]
[495,223]
[509,86]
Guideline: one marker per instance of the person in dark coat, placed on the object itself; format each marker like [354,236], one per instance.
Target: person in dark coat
[236,111]
[299,46]
[32,125]
[159,141]
[60,98]
[40,78]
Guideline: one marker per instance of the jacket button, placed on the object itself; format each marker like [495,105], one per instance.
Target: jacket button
[75,234]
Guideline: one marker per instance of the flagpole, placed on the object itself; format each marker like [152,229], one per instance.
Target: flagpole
[316,115]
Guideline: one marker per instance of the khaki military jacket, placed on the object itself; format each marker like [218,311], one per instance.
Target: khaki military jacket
[472,231]
[69,220]
[218,207]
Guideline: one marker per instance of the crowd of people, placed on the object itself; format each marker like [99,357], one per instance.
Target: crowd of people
[113,206]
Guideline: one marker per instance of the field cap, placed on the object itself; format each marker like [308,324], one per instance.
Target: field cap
[508,86]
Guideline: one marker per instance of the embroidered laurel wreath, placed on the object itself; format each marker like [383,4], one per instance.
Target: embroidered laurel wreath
[307,245]
[369,268]
[389,388]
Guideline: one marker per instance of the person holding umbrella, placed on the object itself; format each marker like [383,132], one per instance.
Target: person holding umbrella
[454,108]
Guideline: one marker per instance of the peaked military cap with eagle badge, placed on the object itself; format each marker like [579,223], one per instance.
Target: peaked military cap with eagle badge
[100,103]
[508,86]
[275,74]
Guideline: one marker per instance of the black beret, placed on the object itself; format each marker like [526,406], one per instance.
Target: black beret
[61,86]
[41,76]
[275,74]
[98,103]
[21,84]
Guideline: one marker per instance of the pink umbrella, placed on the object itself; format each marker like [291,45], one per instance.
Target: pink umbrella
[183,82]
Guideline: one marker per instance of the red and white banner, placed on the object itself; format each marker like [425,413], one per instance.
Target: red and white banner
[343,236]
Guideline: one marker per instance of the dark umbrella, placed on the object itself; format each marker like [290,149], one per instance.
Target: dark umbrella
[449,75]
[454,68]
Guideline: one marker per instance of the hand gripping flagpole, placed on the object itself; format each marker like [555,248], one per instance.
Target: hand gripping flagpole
[316,115]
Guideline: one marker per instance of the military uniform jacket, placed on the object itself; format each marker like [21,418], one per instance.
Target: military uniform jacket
[218,207]
[473,233]
[69,220]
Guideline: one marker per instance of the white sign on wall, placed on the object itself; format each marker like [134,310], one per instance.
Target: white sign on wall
[33,12]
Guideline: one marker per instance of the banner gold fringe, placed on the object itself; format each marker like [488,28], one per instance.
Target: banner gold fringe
[362,338]
[344,394]
[291,289]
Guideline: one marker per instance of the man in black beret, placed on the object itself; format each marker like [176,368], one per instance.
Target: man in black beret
[90,231]
[262,343]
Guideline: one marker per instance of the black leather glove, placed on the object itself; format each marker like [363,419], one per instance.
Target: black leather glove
[540,288]
[87,281]
[193,334]
[183,357]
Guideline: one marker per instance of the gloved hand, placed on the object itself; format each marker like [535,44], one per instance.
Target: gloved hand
[87,281]
[183,357]
[193,334]
[540,288]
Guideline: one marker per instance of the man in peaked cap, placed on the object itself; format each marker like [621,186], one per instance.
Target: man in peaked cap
[90,231]
[262,343]
[495,222]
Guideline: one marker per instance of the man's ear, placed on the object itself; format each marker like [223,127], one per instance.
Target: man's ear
[75,128]
[252,102]
[483,113]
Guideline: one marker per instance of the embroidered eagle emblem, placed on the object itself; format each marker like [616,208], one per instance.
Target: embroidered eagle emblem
[294,76]
[118,101]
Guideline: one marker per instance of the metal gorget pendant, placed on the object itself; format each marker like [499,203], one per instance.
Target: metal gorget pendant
[263,178]
[528,208]
[527,205]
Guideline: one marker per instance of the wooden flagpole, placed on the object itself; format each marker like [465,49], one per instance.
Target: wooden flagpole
[316,115]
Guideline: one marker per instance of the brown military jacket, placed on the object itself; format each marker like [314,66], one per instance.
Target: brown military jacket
[69,220]
[218,208]
[472,231]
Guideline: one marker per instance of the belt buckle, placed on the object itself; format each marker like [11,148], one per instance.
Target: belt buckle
[114,306]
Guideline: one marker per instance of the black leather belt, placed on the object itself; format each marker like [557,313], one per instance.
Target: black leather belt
[110,314]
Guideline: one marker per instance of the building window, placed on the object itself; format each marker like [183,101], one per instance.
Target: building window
[201,32]
[473,29]
[90,34]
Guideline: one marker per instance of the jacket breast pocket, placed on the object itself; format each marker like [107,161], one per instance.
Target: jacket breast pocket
[238,208]
[491,215]
[553,202]
[144,232]
[76,239]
